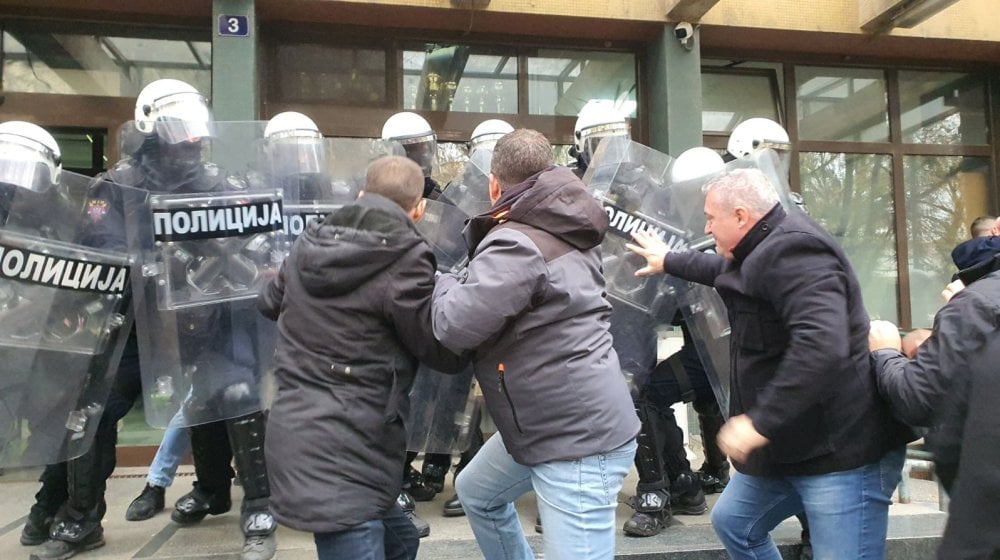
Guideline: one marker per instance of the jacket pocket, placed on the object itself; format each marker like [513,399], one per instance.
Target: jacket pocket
[804,438]
[506,394]
[758,330]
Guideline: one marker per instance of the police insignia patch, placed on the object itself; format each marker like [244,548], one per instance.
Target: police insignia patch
[96,209]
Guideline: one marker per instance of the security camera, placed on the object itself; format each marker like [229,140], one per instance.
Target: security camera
[684,32]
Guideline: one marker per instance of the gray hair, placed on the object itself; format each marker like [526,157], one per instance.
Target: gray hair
[748,188]
[519,155]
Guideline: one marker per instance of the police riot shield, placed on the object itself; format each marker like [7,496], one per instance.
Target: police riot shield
[629,180]
[63,320]
[707,320]
[471,192]
[773,163]
[207,239]
[441,226]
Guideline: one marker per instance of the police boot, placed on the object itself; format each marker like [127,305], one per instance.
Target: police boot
[652,514]
[453,507]
[686,496]
[258,530]
[246,437]
[36,527]
[149,502]
[49,498]
[434,472]
[415,486]
[714,472]
[409,507]
[196,504]
[77,525]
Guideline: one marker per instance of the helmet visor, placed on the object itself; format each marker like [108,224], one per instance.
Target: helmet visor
[26,164]
[295,155]
[422,150]
[182,117]
[591,137]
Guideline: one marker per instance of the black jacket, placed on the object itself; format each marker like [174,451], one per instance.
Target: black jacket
[353,302]
[799,348]
[952,386]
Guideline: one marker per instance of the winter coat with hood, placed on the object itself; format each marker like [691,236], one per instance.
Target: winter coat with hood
[952,386]
[353,303]
[532,307]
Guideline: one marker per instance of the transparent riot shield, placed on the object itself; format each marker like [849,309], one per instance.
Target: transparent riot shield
[629,180]
[773,163]
[471,193]
[207,239]
[64,320]
[708,322]
[442,227]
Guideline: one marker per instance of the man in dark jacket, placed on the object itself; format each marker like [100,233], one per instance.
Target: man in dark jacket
[533,310]
[952,387]
[807,430]
[353,303]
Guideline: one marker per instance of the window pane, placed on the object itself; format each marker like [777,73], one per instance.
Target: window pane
[942,108]
[41,62]
[330,74]
[561,82]
[729,99]
[851,196]
[457,79]
[841,104]
[943,196]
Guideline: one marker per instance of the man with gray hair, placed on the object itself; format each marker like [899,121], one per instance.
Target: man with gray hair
[533,312]
[807,430]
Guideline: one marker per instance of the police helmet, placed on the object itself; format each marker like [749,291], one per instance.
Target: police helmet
[598,118]
[696,163]
[486,134]
[293,144]
[173,110]
[29,156]
[416,136]
[751,133]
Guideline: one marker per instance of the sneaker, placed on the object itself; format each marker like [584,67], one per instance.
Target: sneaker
[259,547]
[647,523]
[36,529]
[148,504]
[453,507]
[196,504]
[53,549]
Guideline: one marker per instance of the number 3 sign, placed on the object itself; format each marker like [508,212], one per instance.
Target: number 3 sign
[235,26]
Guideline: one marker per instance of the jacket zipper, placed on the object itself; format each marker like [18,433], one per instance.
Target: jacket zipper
[503,387]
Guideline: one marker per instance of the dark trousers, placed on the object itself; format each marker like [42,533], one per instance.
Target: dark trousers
[391,538]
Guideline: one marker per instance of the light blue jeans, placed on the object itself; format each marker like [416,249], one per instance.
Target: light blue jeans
[576,501]
[176,443]
[848,511]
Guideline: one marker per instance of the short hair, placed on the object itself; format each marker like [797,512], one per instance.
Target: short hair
[519,155]
[397,178]
[748,188]
[982,225]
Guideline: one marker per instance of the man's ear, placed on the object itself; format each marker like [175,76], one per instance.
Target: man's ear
[418,211]
[494,189]
[742,215]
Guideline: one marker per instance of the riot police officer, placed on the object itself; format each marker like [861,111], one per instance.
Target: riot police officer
[419,142]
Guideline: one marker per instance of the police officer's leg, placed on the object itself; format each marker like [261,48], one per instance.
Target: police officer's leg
[453,506]
[212,456]
[48,500]
[714,472]
[246,436]
[652,498]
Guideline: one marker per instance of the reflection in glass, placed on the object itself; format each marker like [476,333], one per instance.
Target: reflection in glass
[561,82]
[943,195]
[943,108]
[104,65]
[329,74]
[454,78]
[842,104]
[731,98]
[851,197]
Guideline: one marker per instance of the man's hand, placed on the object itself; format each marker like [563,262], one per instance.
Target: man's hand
[951,289]
[738,438]
[884,334]
[651,248]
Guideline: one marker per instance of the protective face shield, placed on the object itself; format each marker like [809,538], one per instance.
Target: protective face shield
[414,133]
[487,133]
[174,111]
[293,145]
[598,119]
[751,133]
[29,157]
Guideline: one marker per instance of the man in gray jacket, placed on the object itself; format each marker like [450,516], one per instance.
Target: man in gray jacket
[532,308]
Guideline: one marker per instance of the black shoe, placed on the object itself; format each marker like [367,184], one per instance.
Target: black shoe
[416,487]
[53,549]
[647,523]
[686,496]
[453,507]
[434,476]
[148,504]
[713,480]
[538,524]
[196,504]
[405,502]
[36,528]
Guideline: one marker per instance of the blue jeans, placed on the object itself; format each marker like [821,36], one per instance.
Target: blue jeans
[576,501]
[848,511]
[391,538]
[174,446]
